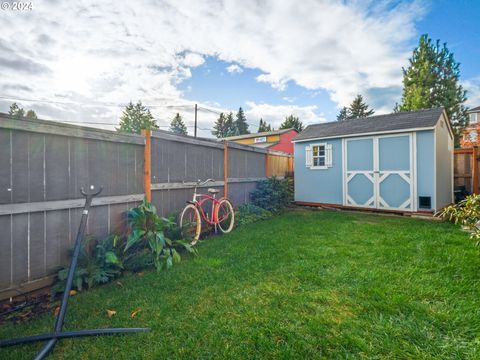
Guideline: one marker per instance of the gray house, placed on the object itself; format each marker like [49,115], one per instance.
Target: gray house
[399,162]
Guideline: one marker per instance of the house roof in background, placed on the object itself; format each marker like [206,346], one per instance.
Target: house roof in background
[266,133]
[475,109]
[373,124]
[265,145]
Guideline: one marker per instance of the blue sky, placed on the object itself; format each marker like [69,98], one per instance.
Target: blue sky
[453,22]
[83,61]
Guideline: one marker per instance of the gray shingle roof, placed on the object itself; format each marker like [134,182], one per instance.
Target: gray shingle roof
[373,124]
[475,109]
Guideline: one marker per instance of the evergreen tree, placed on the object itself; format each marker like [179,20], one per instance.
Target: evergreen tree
[31,114]
[136,117]
[263,126]
[221,128]
[177,125]
[358,108]
[241,126]
[230,125]
[19,112]
[432,80]
[292,122]
[343,114]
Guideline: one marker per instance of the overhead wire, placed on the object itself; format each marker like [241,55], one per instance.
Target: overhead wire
[111,104]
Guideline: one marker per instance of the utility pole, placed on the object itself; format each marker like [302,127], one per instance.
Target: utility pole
[195,121]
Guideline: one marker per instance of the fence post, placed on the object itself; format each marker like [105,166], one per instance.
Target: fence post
[290,165]
[475,170]
[267,164]
[225,168]
[147,163]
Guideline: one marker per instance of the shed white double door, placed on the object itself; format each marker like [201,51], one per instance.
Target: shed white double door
[378,172]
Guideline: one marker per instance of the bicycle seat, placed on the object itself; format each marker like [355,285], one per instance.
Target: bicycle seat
[213,191]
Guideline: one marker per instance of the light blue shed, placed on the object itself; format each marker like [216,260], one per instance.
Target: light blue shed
[397,162]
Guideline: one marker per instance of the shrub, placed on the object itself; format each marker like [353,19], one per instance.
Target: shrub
[96,266]
[146,243]
[249,213]
[147,230]
[273,194]
[465,213]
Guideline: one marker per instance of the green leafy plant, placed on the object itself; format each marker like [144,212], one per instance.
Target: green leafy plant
[249,213]
[466,213]
[273,194]
[97,264]
[147,230]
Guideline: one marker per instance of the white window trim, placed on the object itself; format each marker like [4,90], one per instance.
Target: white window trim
[322,167]
[475,116]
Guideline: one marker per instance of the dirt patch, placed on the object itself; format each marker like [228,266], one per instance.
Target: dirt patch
[25,308]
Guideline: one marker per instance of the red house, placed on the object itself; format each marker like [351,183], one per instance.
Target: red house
[278,140]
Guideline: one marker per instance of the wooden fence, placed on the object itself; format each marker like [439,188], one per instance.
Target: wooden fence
[466,169]
[43,164]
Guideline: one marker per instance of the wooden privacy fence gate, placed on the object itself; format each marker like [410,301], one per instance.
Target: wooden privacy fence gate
[466,169]
[43,164]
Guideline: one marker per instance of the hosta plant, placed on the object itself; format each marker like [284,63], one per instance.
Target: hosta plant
[98,263]
[147,230]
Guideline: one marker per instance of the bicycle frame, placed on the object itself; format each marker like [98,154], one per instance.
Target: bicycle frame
[204,198]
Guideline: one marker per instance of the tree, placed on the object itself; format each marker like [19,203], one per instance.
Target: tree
[432,80]
[358,108]
[220,129]
[343,114]
[241,126]
[136,117]
[177,125]
[263,126]
[19,112]
[230,125]
[292,122]
[31,114]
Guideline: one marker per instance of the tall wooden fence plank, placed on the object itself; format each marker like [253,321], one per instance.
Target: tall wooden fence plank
[5,167]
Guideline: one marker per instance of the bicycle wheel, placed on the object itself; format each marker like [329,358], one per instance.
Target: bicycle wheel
[191,224]
[225,215]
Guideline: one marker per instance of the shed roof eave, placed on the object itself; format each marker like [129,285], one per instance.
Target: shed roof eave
[399,131]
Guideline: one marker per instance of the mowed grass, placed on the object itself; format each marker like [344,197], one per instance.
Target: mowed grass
[307,284]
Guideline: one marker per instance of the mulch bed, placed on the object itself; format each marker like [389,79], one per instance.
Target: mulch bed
[26,307]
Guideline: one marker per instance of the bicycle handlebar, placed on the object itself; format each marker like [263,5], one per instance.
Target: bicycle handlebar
[200,182]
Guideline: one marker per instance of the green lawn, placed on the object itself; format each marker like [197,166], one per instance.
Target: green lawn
[307,284]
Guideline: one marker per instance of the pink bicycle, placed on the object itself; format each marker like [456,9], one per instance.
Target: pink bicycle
[219,214]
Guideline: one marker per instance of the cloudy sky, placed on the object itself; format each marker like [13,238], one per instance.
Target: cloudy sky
[82,61]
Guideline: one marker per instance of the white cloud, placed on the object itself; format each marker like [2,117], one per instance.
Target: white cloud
[473,92]
[276,114]
[94,52]
[234,69]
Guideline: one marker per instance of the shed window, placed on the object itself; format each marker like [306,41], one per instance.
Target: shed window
[473,118]
[319,156]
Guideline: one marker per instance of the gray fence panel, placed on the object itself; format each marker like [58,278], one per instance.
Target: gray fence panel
[5,173]
[20,253]
[56,168]
[117,218]
[79,176]
[19,167]
[36,156]
[57,240]
[37,245]
[5,254]
[98,221]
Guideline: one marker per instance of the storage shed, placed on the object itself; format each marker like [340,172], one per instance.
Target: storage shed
[397,162]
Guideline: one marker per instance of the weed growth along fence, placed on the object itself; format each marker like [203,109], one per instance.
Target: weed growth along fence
[43,164]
